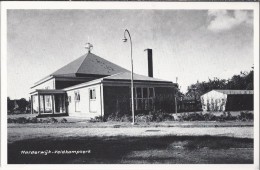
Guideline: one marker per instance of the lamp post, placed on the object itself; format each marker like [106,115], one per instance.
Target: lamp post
[132,77]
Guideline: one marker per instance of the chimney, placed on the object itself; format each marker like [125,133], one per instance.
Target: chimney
[150,61]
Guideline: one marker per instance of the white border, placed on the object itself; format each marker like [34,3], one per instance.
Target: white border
[127,5]
[256,87]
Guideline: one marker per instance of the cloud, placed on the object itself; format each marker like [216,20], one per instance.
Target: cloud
[221,20]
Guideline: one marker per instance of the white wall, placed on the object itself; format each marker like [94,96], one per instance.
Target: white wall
[50,84]
[84,103]
[216,97]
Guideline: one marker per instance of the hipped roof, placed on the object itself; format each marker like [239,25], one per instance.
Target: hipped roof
[89,64]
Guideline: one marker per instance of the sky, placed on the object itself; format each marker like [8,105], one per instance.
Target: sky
[193,45]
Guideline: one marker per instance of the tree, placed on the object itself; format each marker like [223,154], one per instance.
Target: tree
[10,105]
[22,104]
[18,106]
[242,81]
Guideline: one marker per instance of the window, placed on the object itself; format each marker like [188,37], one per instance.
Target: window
[92,100]
[92,94]
[69,99]
[77,96]
[139,92]
[145,92]
[151,93]
[77,101]
[144,98]
[47,103]
[48,100]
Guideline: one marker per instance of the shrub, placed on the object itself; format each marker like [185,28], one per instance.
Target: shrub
[163,117]
[206,117]
[113,117]
[126,118]
[192,117]
[52,120]
[96,119]
[151,116]
[63,120]
[32,120]
[144,118]
[245,116]
[45,121]
[110,117]
[119,117]
[9,120]
[21,120]
[209,117]
[40,121]
[154,116]
[228,116]
[221,118]
[168,117]
[99,118]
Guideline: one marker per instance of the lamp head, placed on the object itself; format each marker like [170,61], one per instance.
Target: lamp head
[124,39]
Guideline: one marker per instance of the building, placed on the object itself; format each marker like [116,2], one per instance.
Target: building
[228,100]
[190,101]
[91,86]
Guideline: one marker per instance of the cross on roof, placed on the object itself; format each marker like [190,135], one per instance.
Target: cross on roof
[89,47]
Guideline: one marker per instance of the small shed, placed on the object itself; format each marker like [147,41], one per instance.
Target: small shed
[227,100]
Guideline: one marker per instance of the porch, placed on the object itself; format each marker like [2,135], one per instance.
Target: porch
[48,102]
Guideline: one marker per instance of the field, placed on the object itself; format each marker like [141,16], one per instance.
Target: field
[173,142]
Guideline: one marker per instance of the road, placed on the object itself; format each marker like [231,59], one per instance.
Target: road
[21,133]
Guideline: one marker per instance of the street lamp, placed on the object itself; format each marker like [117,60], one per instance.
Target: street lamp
[132,78]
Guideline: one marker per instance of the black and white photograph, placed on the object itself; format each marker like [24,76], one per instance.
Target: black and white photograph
[130,83]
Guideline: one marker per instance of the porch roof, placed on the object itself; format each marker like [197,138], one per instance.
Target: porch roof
[48,91]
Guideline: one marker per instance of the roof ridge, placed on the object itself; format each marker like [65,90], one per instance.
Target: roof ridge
[82,63]
[66,65]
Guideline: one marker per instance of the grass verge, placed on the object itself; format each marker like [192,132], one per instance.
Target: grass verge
[119,149]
